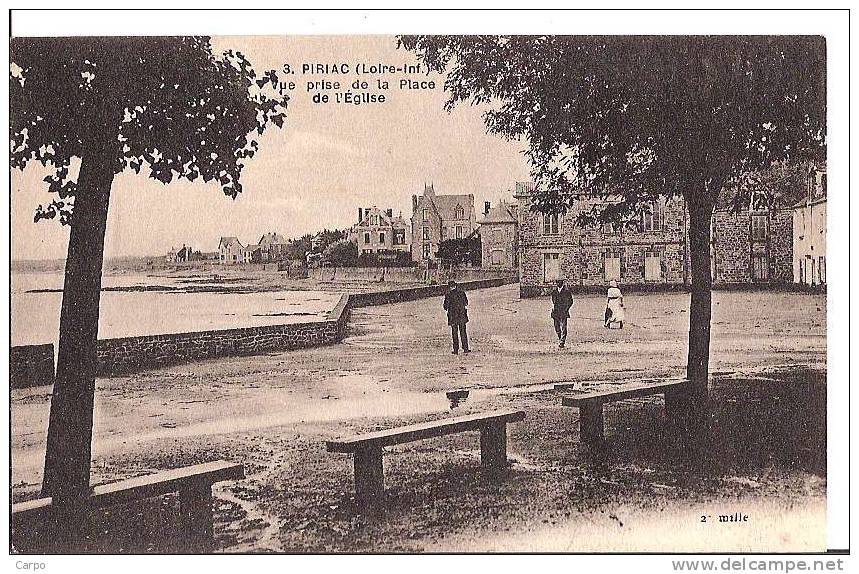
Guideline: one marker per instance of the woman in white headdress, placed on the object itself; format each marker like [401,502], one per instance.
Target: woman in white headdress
[614,312]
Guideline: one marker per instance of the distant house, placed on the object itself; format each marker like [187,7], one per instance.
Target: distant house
[273,247]
[436,218]
[182,255]
[231,251]
[809,232]
[379,231]
[498,236]
[252,253]
[171,255]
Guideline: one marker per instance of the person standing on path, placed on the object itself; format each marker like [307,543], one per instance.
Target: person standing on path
[456,303]
[614,311]
[562,300]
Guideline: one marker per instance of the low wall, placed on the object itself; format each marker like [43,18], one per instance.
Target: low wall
[31,365]
[411,294]
[134,353]
[404,274]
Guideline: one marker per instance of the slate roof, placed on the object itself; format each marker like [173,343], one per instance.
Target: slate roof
[229,241]
[498,214]
[445,205]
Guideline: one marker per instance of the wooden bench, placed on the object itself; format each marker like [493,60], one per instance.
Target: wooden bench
[367,448]
[590,404]
[193,483]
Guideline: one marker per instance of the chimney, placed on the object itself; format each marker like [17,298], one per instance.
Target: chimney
[414,203]
[360,215]
[486,206]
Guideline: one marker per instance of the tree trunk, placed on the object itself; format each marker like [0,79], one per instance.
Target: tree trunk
[697,366]
[67,458]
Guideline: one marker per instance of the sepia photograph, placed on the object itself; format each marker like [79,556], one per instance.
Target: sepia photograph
[425,293]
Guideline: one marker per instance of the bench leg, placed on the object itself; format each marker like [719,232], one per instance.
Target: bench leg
[493,446]
[195,511]
[591,424]
[369,478]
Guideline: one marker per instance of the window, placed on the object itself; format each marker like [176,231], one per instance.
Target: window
[652,267]
[426,251]
[399,237]
[609,228]
[498,234]
[611,267]
[497,257]
[382,237]
[367,238]
[374,220]
[426,214]
[551,267]
[821,266]
[760,268]
[459,213]
[444,232]
[759,227]
[651,218]
[550,224]
[459,232]
[426,234]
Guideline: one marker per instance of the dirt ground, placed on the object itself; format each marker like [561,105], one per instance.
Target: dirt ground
[273,413]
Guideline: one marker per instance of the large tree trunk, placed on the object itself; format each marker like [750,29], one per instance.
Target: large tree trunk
[67,459]
[697,367]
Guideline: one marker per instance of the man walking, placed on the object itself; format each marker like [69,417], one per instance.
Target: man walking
[456,303]
[562,300]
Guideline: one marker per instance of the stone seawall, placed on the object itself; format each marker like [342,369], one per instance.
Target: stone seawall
[31,365]
[400,295]
[135,353]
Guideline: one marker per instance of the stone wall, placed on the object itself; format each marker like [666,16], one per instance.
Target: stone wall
[133,353]
[734,248]
[31,365]
[400,295]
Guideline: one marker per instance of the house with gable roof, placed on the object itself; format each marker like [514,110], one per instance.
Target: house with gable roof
[437,217]
[231,251]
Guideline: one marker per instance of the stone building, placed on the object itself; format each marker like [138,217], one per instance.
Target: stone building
[809,232]
[231,251]
[499,230]
[378,231]
[436,218]
[752,246]
[272,247]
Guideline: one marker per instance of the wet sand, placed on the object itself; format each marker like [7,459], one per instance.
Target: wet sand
[273,413]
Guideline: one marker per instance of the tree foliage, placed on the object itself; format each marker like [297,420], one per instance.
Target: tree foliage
[465,251]
[633,118]
[341,253]
[168,106]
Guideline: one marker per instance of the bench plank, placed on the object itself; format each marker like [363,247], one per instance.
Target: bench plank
[166,481]
[619,394]
[146,486]
[425,430]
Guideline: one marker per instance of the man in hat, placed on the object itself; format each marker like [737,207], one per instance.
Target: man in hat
[456,303]
[562,300]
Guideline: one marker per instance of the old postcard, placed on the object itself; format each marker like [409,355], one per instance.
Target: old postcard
[422,293]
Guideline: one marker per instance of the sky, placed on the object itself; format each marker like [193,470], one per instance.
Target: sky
[327,160]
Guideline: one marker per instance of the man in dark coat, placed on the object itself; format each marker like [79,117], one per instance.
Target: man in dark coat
[456,303]
[562,300]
